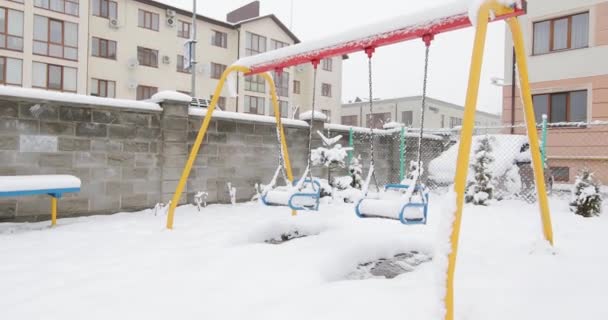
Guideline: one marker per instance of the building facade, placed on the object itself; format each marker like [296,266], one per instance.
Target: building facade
[567,43]
[131,49]
[406,110]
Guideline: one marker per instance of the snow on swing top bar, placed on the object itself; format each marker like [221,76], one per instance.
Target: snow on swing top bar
[454,15]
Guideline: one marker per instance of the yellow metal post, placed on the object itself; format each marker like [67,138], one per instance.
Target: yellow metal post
[466,136]
[203,130]
[53,211]
[537,162]
[277,115]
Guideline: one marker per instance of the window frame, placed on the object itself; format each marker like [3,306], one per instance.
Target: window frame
[411,114]
[297,87]
[257,100]
[4,46]
[223,42]
[180,29]
[146,52]
[5,72]
[350,120]
[552,33]
[108,4]
[386,116]
[249,50]
[568,104]
[256,81]
[65,3]
[106,82]
[217,69]
[62,85]
[278,44]
[327,64]
[48,42]
[326,90]
[150,90]
[281,82]
[108,42]
[148,16]
[179,65]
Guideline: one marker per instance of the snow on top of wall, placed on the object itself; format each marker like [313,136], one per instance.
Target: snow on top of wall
[170,95]
[380,132]
[308,115]
[393,125]
[201,112]
[40,182]
[18,92]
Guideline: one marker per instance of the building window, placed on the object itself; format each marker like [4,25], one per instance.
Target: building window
[283,109]
[103,88]
[254,105]
[327,64]
[327,113]
[561,107]
[70,7]
[11,71]
[148,20]
[146,92]
[54,77]
[352,121]
[11,29]
[455,122]
[105,9]
[103,48]
[219,39]
[281,82]
[407,118]
[326,90]
[55,38]
[276,44]
[561,174]
[377,120]
[254,44]
[297,87]
[221,102]
[570,32]
[181,61]
[183,29]
[255,83]
[147,57]
[217,70]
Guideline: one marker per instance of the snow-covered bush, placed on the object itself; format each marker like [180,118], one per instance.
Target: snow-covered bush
[331,155]
[356,170]
[586,196]
[480,190]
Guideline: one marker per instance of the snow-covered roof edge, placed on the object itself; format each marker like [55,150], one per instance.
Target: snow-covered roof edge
[72,98]
[227,115]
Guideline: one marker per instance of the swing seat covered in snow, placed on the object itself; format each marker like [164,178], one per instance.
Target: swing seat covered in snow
[410,207]
[304,197]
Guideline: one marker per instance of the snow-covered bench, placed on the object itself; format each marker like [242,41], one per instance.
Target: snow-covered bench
[52,185]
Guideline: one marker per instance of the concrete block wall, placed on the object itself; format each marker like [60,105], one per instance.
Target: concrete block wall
[132,158]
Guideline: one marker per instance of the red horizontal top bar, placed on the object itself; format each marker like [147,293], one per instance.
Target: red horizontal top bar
[405,34]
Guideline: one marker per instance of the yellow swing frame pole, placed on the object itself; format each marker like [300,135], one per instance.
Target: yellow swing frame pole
[466,137]
[53,211]
[203,130]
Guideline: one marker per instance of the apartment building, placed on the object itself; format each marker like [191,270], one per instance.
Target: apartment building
[131,49]
[406,110]
[567,43]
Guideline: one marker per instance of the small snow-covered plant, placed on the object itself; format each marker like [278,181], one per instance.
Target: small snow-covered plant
[200,199]
[161,208]
[231,193]
[356,170]
[332,155]
[481,189]
[586,197]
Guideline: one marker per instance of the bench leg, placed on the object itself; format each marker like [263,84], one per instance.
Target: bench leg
[53,211]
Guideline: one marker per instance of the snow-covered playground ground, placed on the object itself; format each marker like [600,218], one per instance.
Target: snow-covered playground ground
[216,265]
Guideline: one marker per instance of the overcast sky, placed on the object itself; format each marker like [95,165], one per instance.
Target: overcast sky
[398,69]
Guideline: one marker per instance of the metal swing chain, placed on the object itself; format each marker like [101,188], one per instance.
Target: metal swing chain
[424,85]
[371,116]
[314,100]
[281,154]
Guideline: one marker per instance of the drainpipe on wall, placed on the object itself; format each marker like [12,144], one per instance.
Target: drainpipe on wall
[513,82]
[238,56]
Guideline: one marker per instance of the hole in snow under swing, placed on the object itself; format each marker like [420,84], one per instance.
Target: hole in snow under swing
[389,268]
[287,236]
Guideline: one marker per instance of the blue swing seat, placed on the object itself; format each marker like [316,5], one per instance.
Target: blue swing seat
[289,198]
[398,205]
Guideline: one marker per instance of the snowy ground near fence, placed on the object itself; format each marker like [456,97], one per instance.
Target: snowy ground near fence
[215,265]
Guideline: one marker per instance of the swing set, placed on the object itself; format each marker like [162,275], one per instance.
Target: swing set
[367,39]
